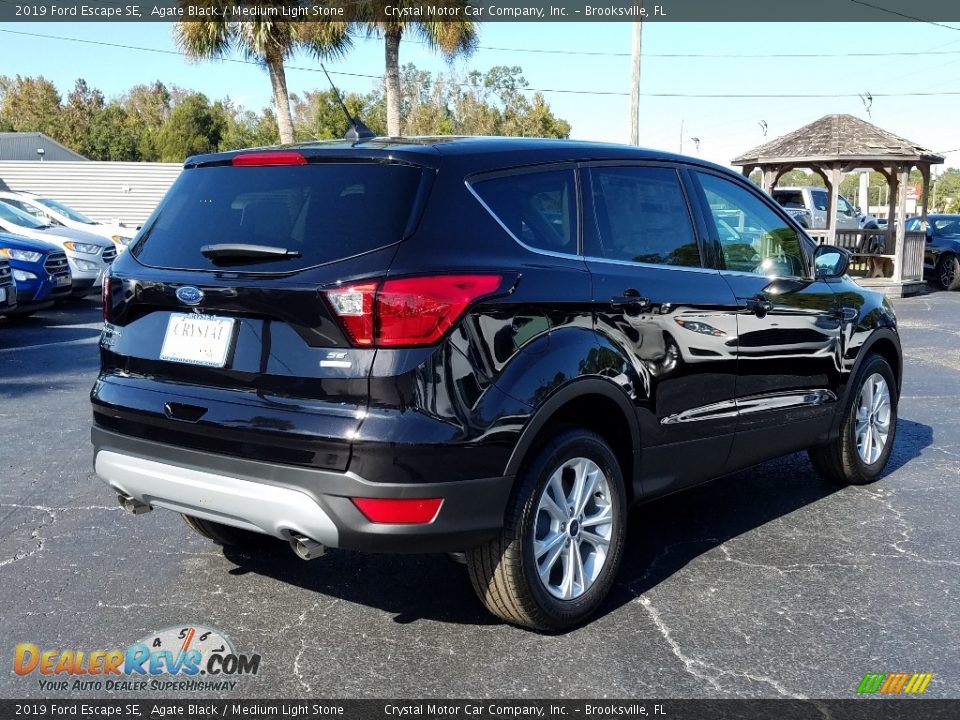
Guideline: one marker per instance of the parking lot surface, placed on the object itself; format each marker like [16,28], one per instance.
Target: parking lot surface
[768,583]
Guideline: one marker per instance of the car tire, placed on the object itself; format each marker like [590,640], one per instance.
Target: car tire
[225,534]
[947,274]
[506,572]
[860,452]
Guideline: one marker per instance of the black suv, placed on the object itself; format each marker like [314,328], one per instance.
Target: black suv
[481,346]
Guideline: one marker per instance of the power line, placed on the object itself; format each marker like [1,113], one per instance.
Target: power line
[904,15]
[712,56]
[567,91]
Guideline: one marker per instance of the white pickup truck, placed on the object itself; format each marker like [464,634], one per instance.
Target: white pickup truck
[815,201]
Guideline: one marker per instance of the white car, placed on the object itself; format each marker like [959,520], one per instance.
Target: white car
[89,255]
[52,211]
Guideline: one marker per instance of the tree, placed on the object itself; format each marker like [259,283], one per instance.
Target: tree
[111,135]
[31,105]
[76,117]
[450,37]
[194,127]
[268,42]
[318,115]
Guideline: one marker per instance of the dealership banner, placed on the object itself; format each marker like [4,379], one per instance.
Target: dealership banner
[931,11]
[486,709]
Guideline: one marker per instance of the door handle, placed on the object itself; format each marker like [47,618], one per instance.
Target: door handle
[632,299]
[759,306]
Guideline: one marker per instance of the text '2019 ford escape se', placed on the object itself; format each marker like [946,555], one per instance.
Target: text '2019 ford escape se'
[485,346]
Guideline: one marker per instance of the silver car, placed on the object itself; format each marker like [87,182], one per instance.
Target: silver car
[89,255]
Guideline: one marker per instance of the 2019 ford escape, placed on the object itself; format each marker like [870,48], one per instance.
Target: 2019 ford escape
[485,346]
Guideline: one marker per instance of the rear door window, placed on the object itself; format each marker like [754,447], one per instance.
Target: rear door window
[323,211]
[538,208]
[638,214]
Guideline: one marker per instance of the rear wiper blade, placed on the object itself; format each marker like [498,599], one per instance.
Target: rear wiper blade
[241,251]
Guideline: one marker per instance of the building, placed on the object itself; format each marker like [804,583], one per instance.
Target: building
[35,146]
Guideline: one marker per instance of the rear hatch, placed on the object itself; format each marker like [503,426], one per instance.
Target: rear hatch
[219,332]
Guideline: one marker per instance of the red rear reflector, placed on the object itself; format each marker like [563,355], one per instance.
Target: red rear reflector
[406,511]
[407,312]
[278,157]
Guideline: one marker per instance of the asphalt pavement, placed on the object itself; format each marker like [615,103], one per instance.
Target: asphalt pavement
[768,583]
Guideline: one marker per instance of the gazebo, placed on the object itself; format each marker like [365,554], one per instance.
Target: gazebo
[890,259]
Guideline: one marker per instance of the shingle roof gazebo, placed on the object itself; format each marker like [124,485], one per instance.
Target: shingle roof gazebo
[837,144]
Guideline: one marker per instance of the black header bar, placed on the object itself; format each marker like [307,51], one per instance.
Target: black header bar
[936,12]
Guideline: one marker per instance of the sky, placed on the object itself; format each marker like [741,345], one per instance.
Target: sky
[848,59]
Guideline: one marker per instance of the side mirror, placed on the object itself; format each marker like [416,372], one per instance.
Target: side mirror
[857,210]
[831,261]
[929,233]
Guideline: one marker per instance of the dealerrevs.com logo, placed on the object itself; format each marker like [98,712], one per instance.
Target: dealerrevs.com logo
[176,659]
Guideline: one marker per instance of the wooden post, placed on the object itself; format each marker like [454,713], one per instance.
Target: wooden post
[769,178]
[893,186]
[832,210]
[902,177]
[925,173]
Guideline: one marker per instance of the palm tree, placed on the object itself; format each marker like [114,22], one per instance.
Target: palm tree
[267,41]
[452,38]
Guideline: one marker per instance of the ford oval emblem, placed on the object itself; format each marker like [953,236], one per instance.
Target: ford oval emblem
[189,295]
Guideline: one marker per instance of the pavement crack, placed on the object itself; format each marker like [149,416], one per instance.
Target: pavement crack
[703,670]
[782,571]
[884,498]
[301,621]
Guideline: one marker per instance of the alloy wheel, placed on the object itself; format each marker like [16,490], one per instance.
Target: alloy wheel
[573,528]
[948,273]
[872,427]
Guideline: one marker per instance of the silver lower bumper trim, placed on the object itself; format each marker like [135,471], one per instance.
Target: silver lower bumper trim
[244,504]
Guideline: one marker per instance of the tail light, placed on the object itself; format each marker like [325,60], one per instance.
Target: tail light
[402,511]
[407,312]
[105,295]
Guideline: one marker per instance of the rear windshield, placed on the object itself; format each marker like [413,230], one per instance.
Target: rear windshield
[325,212]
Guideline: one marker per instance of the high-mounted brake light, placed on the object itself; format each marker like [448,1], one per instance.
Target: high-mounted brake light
[400,511]
[275,157]
[407,312]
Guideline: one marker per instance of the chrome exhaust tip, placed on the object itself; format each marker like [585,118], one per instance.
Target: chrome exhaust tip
[134,507]
[305,548]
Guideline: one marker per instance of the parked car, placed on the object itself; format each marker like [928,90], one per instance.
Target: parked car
[941,260]
[8,290]
[483,346]
[39,270]
[51,211]
[89,255]
[816,201]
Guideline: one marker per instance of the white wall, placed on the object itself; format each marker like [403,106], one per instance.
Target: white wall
[104,191]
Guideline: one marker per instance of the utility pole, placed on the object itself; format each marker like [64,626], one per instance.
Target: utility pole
[635,83]
[681,136]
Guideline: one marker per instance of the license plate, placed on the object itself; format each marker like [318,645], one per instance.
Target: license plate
[63,280]
[197,339]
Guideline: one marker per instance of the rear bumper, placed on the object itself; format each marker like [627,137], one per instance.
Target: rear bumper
[282,500]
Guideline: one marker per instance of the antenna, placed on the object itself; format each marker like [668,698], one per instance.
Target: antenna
[357,132]
[867,100]
[763,126]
